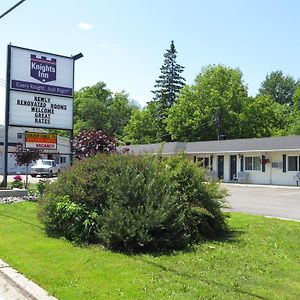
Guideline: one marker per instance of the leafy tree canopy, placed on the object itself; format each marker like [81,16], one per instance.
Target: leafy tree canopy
[209,108]
[143,127]
[98,108]
[279,86]
[296,100]
[263,117]
[24,157]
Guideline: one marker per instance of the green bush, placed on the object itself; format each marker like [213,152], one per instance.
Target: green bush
[17,183]
[133,203]
[202,200]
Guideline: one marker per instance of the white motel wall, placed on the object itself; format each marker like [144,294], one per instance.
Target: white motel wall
[273,170]
[15,134]
[274,160]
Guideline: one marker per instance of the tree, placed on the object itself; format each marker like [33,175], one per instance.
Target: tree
[25,157]
[263,117]
[280,87]
[170,81]
[168,86]
[143,127]
[294,128]
[90,142]
[120,112]
[296,100]
[98,108]
[294,120]
[210,108]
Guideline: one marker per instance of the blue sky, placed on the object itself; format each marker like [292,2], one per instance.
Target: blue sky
[123,42]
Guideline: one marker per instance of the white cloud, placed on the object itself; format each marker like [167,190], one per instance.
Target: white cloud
[104,45]
[85,26]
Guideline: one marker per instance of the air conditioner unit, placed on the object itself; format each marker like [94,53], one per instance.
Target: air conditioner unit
[277,165]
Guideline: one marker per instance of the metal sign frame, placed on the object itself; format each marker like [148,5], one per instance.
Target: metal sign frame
[7,104]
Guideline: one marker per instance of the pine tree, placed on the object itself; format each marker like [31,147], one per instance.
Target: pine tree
[170,81]
[168,86]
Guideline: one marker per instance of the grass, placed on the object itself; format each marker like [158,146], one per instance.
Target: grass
[262,261]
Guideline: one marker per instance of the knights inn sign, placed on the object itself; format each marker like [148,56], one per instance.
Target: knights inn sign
[39,93]
[41,89]
[42,69]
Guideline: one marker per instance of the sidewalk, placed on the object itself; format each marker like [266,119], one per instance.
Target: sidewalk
[14,285]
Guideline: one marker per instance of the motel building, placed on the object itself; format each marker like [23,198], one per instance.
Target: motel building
[273,160]
[16,135]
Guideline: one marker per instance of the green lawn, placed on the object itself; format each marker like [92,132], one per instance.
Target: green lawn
[262,261]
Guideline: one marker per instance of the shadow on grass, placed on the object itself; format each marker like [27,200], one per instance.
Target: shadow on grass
[207,281]
[230,236]
[22,221]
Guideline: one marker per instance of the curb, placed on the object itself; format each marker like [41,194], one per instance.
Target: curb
[261,185]
[21,284]
[13,193]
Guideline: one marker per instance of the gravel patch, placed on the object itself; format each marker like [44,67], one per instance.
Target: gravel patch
[7,200]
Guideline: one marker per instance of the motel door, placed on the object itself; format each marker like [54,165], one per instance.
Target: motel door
[220,166]
[233,166]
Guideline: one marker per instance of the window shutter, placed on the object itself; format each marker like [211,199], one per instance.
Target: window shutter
[211,162]
[284,163]
[195,159]
[242,163]
[263,165]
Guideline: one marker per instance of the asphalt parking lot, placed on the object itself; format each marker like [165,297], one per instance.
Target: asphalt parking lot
[272,201]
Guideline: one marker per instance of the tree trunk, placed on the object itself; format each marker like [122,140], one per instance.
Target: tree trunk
[26,182]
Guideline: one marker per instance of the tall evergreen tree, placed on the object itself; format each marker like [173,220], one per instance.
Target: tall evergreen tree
[170,81]
[168,86]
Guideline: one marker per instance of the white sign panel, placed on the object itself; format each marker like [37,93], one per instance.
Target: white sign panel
[37,110]
[34,71]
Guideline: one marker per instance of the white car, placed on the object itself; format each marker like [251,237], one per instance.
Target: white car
[45,167]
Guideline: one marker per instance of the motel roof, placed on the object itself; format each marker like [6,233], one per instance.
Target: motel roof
[270,144]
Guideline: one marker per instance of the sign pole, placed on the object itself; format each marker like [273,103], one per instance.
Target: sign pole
[72,129]
[5,167]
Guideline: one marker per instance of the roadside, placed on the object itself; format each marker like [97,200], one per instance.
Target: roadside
[271,201]
[14,285]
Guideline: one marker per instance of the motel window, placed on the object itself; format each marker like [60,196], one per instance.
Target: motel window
[203,161]
[256,163]
[292,163]
[63,159]
[252,163]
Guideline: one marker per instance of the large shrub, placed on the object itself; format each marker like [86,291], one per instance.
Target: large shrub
[134,203]
[202,200]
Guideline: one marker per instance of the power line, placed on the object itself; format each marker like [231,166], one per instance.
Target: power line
[12,8]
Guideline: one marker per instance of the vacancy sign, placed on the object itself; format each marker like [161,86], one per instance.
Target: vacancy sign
[41,89]
[39,140]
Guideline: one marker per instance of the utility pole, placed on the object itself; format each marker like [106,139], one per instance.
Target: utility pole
[4,182]
[217,119]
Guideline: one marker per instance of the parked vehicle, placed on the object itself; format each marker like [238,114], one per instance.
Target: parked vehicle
[45,167]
